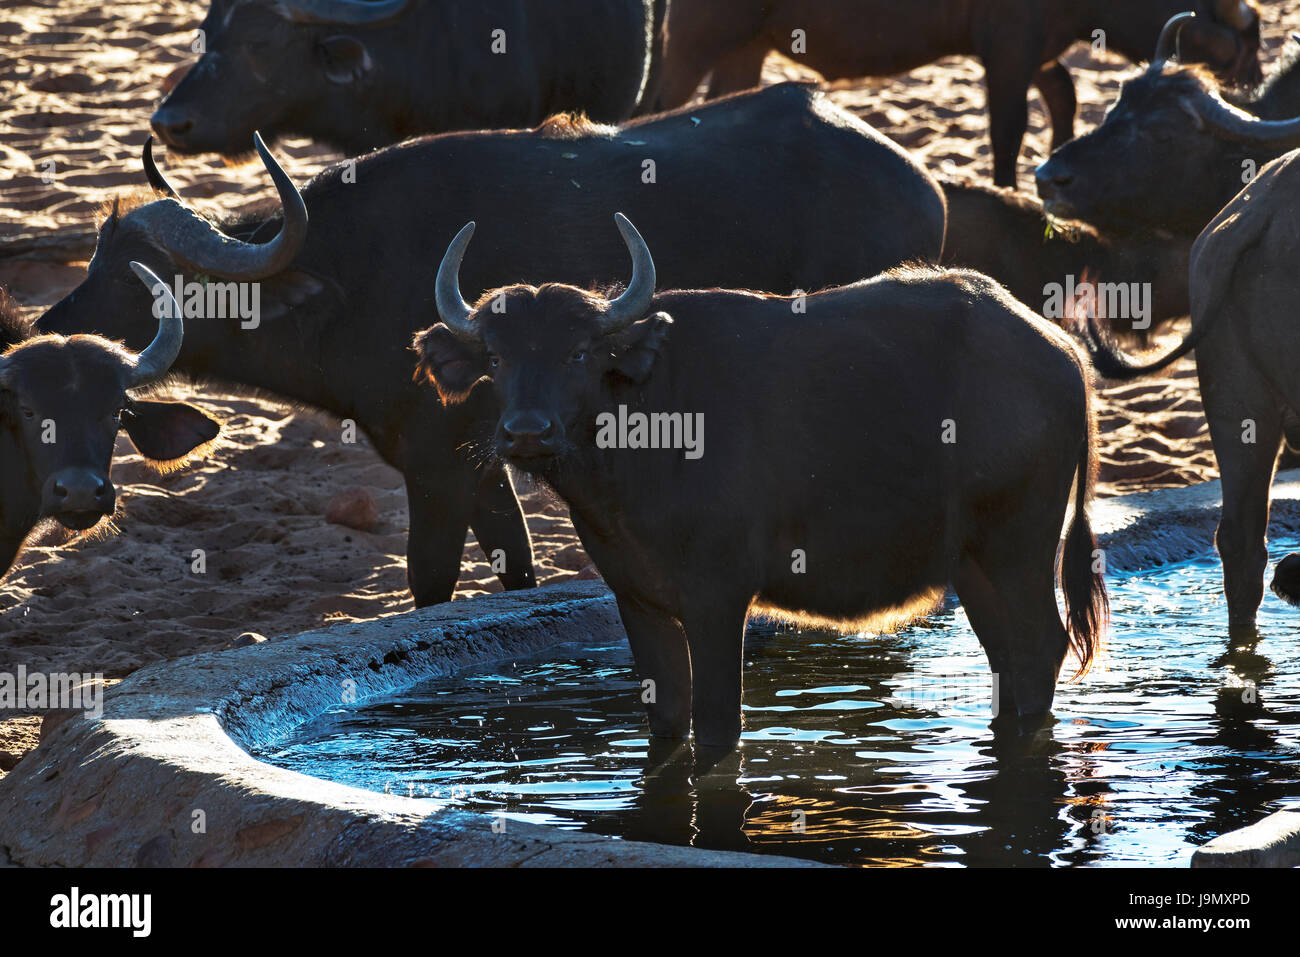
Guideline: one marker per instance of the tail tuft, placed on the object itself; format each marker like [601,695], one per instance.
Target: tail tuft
[1087,607]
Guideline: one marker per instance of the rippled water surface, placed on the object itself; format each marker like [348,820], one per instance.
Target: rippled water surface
[873,750]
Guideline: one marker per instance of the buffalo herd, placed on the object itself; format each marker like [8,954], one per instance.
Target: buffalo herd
[886,417]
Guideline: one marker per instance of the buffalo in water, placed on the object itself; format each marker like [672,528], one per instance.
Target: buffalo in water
[1244,283]
[362,75]
[62,402]
[1018,41]
[833,460]
[722,188]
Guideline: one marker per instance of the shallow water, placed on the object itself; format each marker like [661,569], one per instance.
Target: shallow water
[873,750]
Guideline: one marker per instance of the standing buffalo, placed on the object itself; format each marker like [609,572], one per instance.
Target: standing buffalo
[777,189]
[1172,152]
[62,402]
[361,75]
[835,460]
[1244,283]
[1018,41]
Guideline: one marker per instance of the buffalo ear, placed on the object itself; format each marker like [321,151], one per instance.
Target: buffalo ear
[449,362]
[167,432]
[637,347]
[345,59]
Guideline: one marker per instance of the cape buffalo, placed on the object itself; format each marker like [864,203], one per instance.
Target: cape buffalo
[361,75]
[1006,235]
[776,189]
[1172,151]
[1244,282]
[1018,41]
[62,402]
[866,446]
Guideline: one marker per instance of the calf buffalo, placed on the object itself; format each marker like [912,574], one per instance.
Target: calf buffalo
[62,402]
[362,75]
[1018,41]
[772,190]
[1244,283]
[834,460]
[1172,151]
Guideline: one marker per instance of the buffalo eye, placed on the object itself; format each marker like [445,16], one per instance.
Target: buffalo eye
[27,413]
[494,361]
[578,355]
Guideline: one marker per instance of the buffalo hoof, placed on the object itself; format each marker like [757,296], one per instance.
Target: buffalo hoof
[1010,723]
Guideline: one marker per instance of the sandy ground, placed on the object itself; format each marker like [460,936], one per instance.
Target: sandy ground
[80,80]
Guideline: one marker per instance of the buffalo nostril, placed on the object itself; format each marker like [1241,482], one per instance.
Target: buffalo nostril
[60,490]
[101,489]
[170,125]
[528,428]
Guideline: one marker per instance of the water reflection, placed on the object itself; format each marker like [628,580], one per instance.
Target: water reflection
[873,750]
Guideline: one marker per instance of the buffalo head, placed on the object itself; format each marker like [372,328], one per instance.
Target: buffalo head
[63,400]
[1169,154]
[548,350]
[177,240]
[284,67]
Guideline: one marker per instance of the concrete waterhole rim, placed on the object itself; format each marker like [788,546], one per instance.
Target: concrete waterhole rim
[174,738]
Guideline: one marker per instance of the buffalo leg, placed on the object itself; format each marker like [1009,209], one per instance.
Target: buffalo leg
[700,36]
[739,70]
[440,512]
[1054,83]
[1008,89]
[499,525]
[1008,590]
[1246,468]
[715,633]
[661,656]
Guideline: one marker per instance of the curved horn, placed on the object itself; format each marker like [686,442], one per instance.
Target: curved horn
[1167,46]
[632,305]
[1240,127]
[341,11]
[153,363]
[1235,13]
[198,244]
[452,307]
[152,173]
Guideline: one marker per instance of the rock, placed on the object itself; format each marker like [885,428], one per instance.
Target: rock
[51,720]
[7,760]
[353,508]
[589,573]
[1272,842]
[244,640]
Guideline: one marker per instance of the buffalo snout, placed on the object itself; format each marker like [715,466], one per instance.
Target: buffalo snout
[529,435]
[1053,179]
[173,124]
[78,497]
